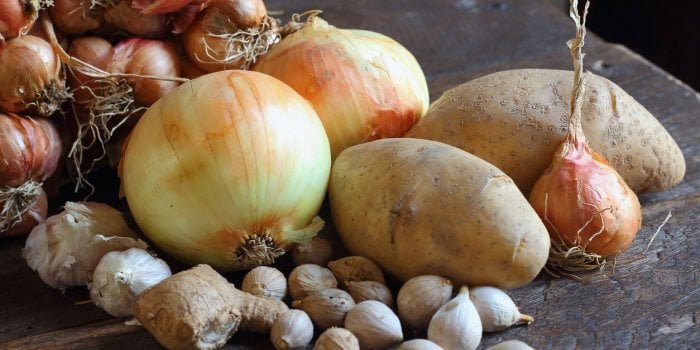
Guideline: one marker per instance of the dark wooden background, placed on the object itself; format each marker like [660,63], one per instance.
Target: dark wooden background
[651,301]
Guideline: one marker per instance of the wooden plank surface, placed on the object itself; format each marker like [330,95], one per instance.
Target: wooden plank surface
[651,301]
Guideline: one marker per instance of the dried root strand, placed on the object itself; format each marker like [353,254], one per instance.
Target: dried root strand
[242,47]
[298,22]
[16,201]
[257,250]
[111,105]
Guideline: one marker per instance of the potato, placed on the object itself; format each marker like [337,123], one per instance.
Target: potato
[419,207]
[516,119]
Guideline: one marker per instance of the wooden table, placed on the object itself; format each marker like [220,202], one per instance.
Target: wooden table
[651,301]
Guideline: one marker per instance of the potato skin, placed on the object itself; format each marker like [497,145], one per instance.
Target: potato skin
[516,119]
[420,207]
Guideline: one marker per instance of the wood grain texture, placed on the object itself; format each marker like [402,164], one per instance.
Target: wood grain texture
[650,301]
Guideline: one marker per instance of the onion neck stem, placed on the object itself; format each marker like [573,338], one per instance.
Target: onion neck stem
[575,129]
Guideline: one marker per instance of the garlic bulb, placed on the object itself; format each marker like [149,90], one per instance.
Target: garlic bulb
[374,325]
[337,339]
[496,309]
[308,279]
[418,344]
[121,276]
[326,308]
[292,330]
[370,290]
[511,345]
[265,281]
[65,249]
[355,268]
[456,325]
[317,251]
[420,297]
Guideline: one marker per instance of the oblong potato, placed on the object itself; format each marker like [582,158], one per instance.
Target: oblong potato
[420,207]
[516,119]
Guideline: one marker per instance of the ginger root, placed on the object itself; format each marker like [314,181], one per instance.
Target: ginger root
[199,309]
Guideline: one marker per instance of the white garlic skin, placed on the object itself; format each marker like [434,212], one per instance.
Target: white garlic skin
[374,324]
[337,339]
[65,248]
[308,279]
[317,251]
[292,330]
[121,276]
[456,325]
[511,345]
[496,309]
[326,308]
[265,281]
[418,344]
[420,297]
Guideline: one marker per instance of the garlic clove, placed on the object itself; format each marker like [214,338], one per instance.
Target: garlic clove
[356,268]
[374,324]
[317,251]
[121,276]
[511,345]
[418,344]
[496,309]
[326,308]
[456,325]
[420,297]
[265,281]
[308,279]
[370,290]
[292,330]
[335,338]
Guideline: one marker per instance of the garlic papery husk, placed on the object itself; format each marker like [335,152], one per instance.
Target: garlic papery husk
[420,297]
[265,281]
[66,248]
[317,251]
[496,309]
[326,308]
[121,276]
[356,268]
[292,330]
[370,290]
[336,338]
[511,345]
[308,279]
[418,344]
[374,324]
[456,325]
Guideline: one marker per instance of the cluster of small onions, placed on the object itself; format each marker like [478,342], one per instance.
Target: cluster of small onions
[347,304]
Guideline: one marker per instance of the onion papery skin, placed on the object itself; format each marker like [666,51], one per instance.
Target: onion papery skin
[30,149]
[76,16]
[16,17]
[579,184]
[363,85]
[31,79]
[226,157]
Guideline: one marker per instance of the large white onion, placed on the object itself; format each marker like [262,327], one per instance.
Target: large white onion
[227,170]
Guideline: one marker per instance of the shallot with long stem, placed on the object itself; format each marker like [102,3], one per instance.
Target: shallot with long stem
[597,215]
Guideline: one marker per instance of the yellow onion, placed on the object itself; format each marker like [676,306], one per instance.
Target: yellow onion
[228,170]
[76,16]
[363,85]
[31,79]
[589,210]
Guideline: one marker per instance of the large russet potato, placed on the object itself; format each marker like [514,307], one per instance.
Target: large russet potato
[516,119]
[420,207]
